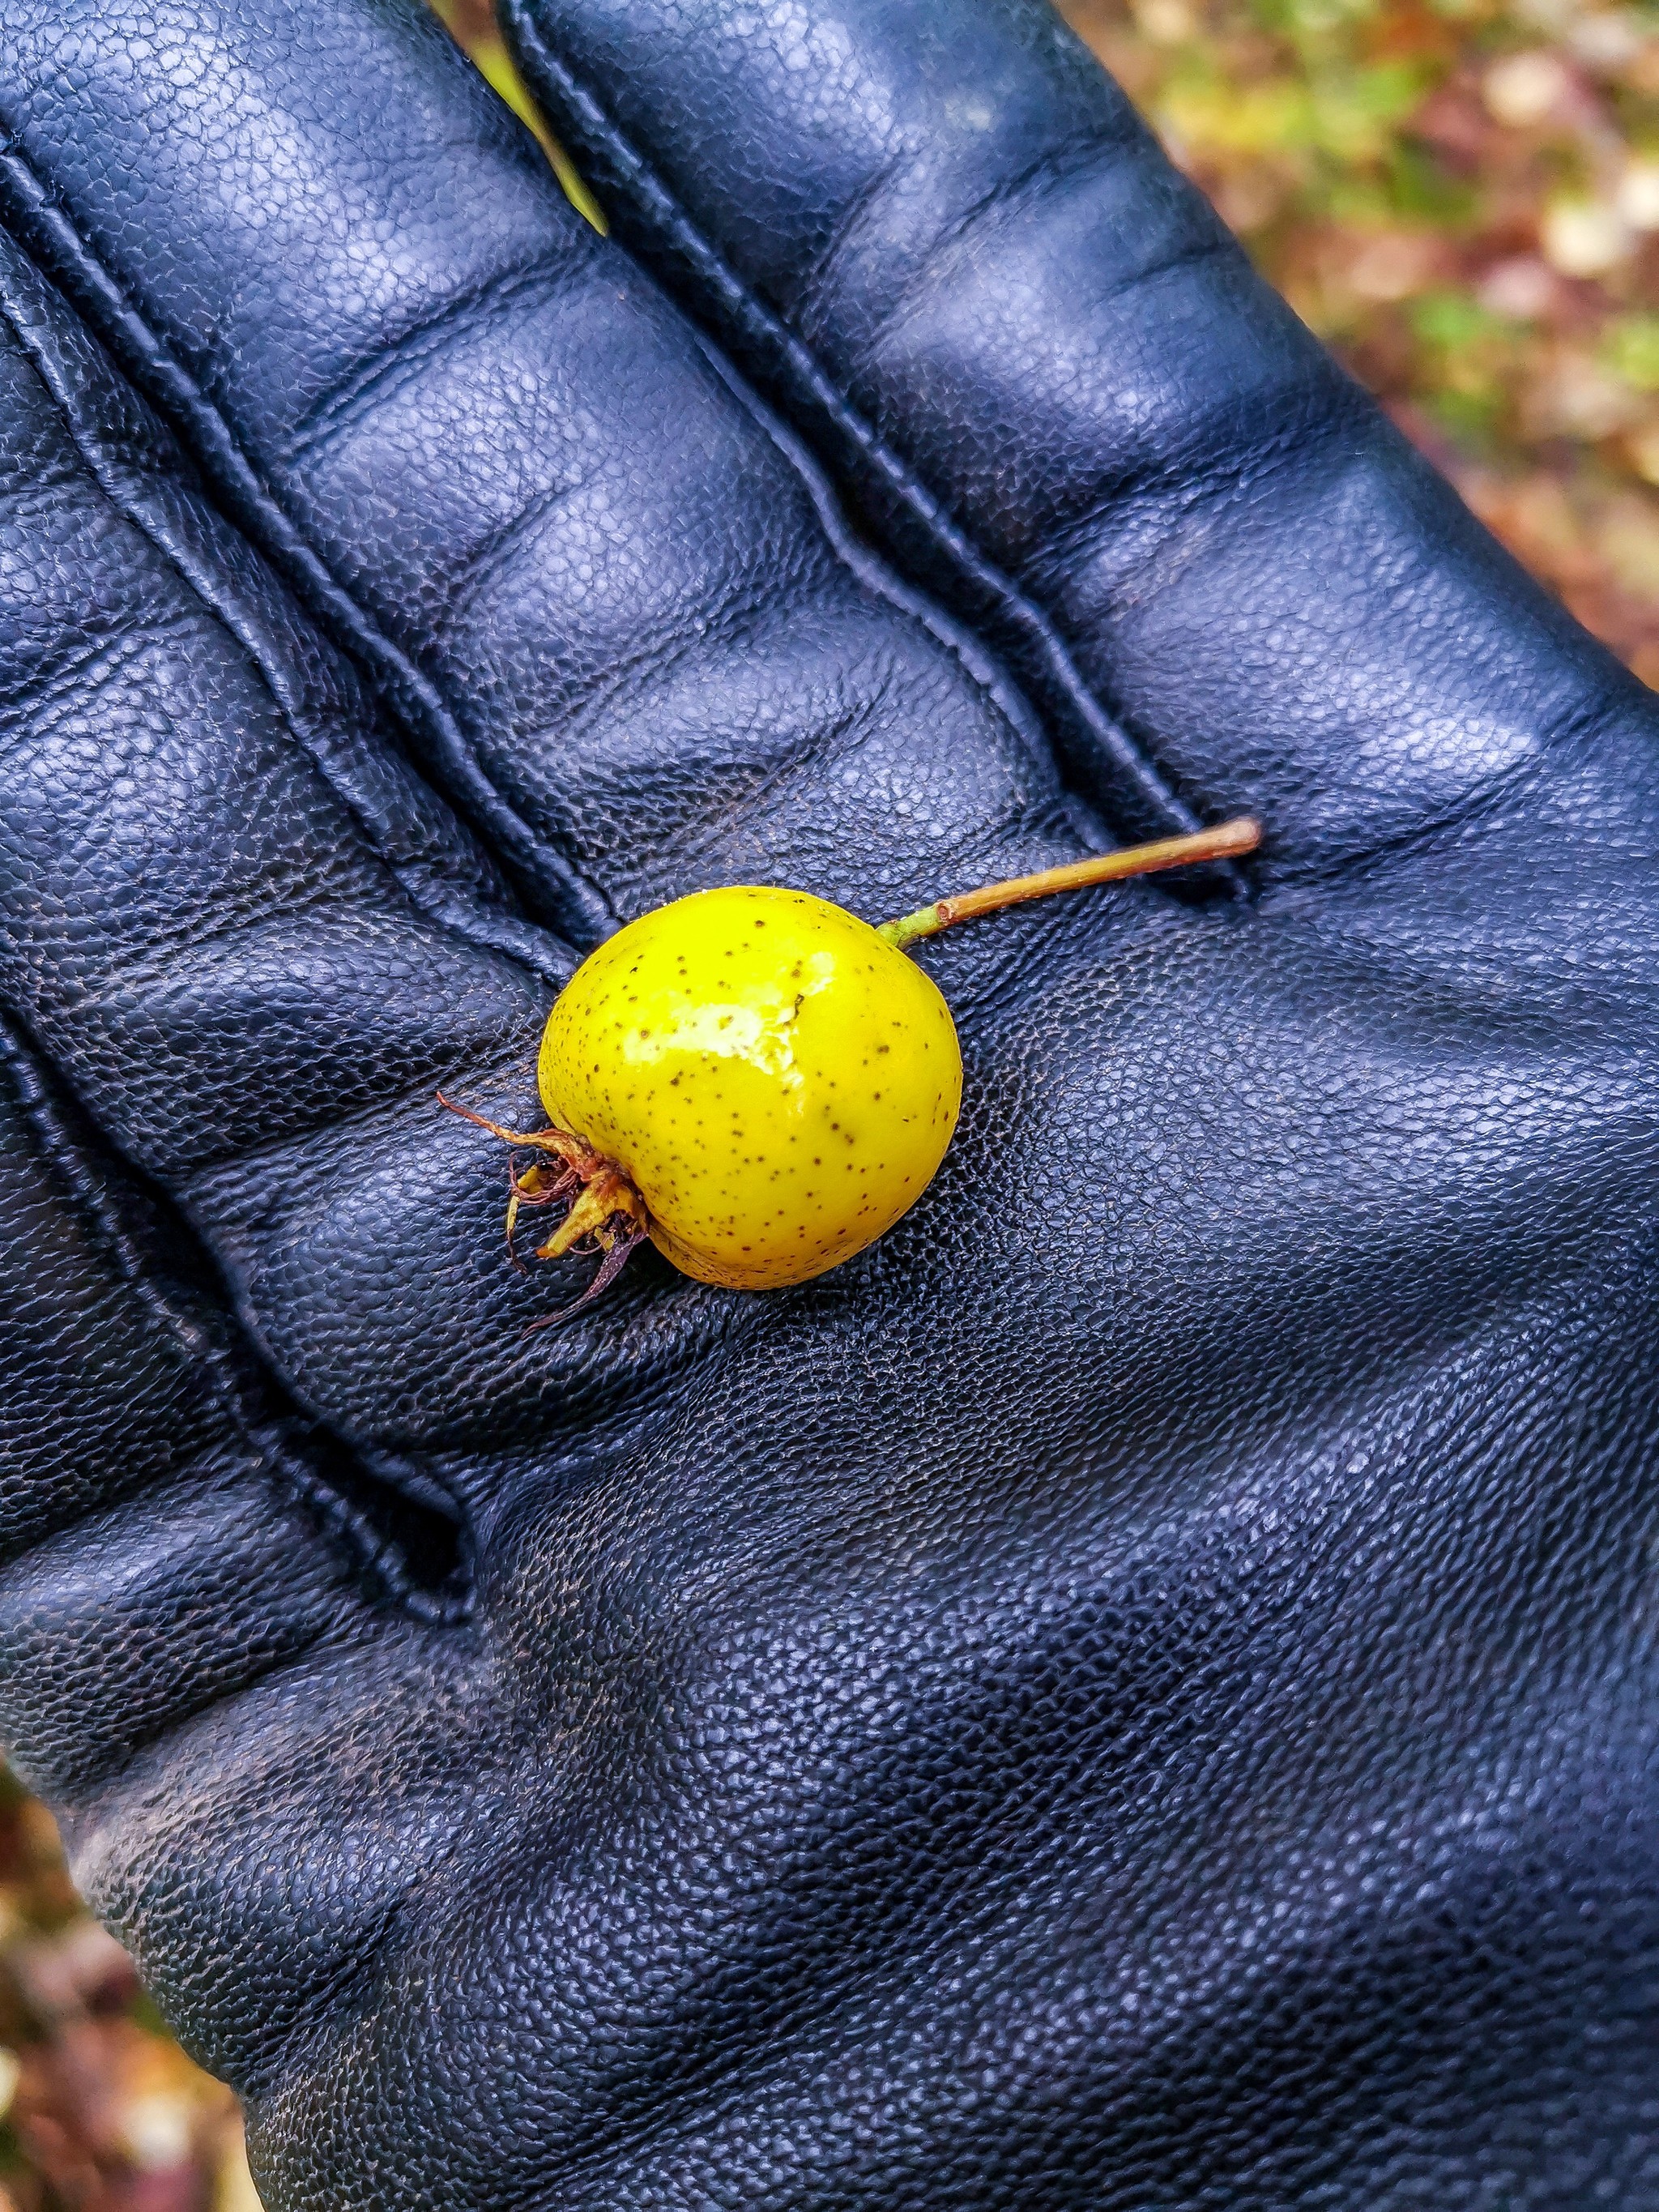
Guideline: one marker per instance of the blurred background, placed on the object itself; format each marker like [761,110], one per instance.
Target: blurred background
[1461,197]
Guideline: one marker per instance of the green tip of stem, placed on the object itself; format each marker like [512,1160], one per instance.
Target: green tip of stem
[1226,841]
[926,922]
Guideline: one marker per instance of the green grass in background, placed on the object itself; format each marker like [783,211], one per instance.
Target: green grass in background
[1461,197]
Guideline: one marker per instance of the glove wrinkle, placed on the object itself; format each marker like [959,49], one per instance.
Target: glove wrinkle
[406,1545]
[400,356]
[445,873]
[1117,773]
[247,467]
[550,880]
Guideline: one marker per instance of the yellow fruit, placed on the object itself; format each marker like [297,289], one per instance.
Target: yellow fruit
[774,1080]
[760,1082]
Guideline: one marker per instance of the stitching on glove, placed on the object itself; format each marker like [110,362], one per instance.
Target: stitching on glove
[580,905]
[501,932]
[885,583]
[209,1344]
[1159,803]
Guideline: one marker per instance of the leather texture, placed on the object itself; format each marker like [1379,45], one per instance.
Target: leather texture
[1137,1692]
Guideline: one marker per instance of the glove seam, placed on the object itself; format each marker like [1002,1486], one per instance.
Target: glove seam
[372,1553]
[579,904]
[806,379]
[503,934]
[885,583]
[372,1556]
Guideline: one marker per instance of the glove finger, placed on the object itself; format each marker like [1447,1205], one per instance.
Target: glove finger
[249,942]
[1048,380]
[175,1550]
[502,467]
[215,885]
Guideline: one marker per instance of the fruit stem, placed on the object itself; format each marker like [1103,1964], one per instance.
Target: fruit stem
[1225,842]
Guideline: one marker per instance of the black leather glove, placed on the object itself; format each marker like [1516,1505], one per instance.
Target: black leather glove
[1139,1691]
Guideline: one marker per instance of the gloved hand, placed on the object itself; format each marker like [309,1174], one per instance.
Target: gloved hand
[1139,1690]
